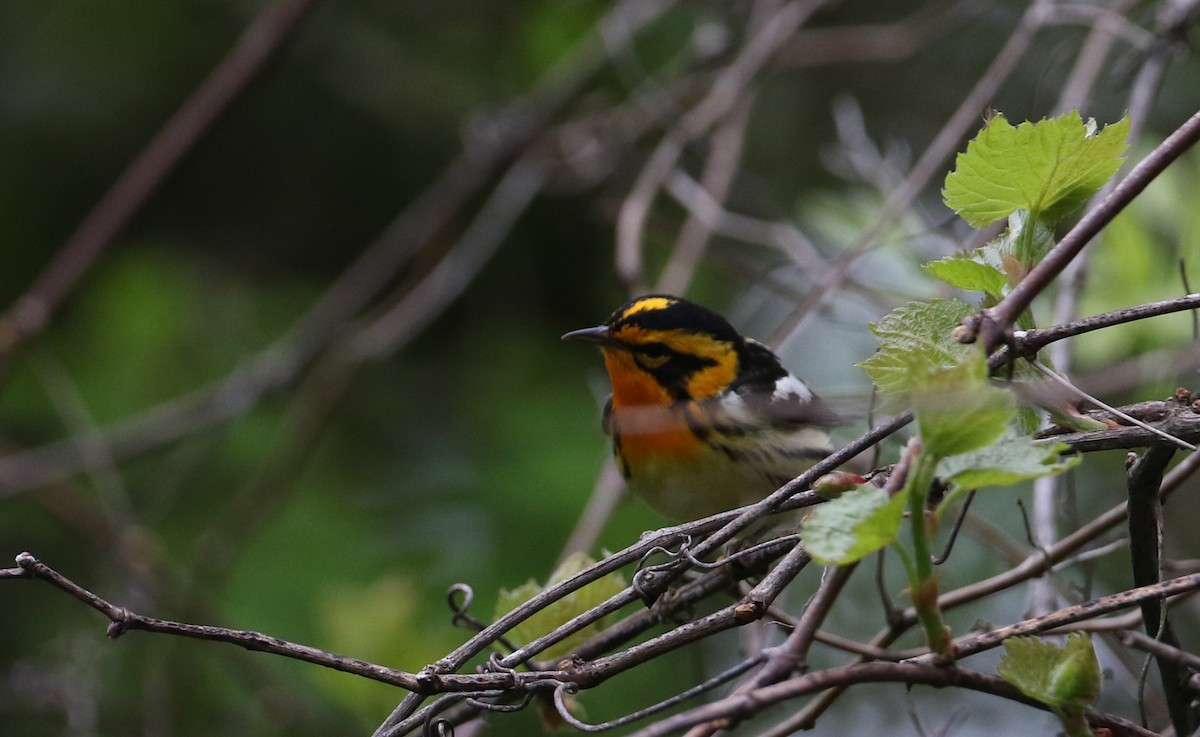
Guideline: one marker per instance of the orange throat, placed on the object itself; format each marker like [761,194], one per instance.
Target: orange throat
[650,425]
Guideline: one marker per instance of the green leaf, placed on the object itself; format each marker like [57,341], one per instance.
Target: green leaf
[855,524]
[1066,677]
[1026,248]
[1000,264]
[917,334]
[1011,459]
[561,611]
[958,410]
[1066,418]
[969,271]
[1050,168]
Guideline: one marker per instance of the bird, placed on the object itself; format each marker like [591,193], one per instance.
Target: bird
[702,419]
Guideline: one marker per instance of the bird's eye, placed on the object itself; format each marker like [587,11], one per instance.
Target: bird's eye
[652,356]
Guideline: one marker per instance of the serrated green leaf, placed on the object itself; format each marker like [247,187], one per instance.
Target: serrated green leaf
[1066,677]
[1011,459]
[561,611]
[969,272]
[1050,167]
[958,410]
[855,524]
[915,335]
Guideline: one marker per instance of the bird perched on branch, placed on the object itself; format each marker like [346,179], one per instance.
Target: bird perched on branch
[702,419]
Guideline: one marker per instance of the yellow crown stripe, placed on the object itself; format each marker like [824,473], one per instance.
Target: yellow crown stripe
[649,303]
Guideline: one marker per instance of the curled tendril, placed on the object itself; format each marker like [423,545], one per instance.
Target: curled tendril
[495,666]
[461,618]
[646,578]
[503,708]
[439,727]
[937,560]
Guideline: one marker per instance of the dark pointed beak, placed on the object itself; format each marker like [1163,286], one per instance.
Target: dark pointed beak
[598,335]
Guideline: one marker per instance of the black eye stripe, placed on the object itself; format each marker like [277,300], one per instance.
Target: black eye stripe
[657,352]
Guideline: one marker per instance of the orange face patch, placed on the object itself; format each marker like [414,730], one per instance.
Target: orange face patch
[649,427]
[704,383]
[630,384]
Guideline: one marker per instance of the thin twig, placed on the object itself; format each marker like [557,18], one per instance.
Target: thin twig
[1159,649]
[1031,341]
[1070,615]
[1058,379]
[122,620]
[719,173]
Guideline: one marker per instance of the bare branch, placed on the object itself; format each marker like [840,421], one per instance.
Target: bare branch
[1071,614]
[121,620]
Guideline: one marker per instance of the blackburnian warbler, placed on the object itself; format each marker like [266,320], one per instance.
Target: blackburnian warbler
[702,419]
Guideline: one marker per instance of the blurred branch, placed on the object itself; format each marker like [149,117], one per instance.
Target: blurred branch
[606,492]
[702,207]
[261,42]
[457,269]
[1160,649]
[1107,24]
[729,86]
[926,167]
[719,173]
[513,129]
[864,44]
